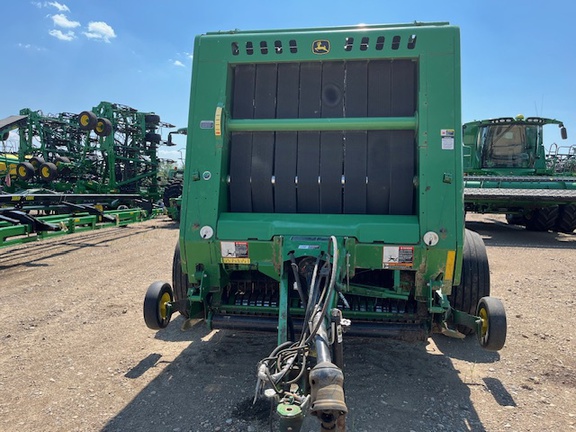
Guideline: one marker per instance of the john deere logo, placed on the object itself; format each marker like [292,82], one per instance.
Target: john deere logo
[321,47]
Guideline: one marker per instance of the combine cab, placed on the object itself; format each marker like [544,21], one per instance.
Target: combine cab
[508,171]
[323,196]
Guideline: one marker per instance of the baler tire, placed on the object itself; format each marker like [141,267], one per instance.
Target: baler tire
[543,219]
[493,333]
[475,278]
[155,313]
[179,282]
[566,222]
[87,120]
[25,170]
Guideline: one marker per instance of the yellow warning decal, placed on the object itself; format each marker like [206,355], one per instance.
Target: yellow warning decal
[450,260]
[218,122]
[235,260]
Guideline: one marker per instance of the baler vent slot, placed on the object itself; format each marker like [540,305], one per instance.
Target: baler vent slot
[326,172]
[363,44]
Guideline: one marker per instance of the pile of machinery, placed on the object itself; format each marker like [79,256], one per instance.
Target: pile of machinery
[323,191]
[105,159]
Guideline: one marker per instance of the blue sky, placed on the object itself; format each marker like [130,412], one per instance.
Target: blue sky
[68,55]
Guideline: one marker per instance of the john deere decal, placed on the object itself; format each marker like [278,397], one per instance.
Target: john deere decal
[321,47]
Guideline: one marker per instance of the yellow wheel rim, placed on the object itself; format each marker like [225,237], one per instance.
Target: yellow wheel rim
[22,171]
[163,300]
[99,127]
[84,120]
[484,315]
[45,172]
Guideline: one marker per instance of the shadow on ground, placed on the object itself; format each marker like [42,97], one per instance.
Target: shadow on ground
[43,250]
[496,232]
[389,385]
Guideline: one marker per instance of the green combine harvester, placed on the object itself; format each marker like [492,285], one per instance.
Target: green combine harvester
[508,171]
[323,197]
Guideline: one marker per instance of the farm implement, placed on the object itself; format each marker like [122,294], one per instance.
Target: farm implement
[72,172]
[322,198]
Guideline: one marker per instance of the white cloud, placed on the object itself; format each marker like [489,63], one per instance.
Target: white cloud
[100,30]
[68,36]
[61,20]
[60,7]
[30,47]
[178,63]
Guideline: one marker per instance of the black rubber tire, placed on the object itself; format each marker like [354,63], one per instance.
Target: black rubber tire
[172,190]
[475,278]
[543,219]
[48,171]
[61,159]
[103,127]
[151,119]
[514,219]
[87,120]
[61,163]
[25,170]
[36,161]
[493,334]
[566,221]
[179,282]
[157,295]
[5,136]
[153,137]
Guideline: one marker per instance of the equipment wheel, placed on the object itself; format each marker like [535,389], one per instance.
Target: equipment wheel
[566,222]
[87,120]
[36,161]
[61,159]
[5,136]
[172,190]
[25,170]
[61,162]
[514,219]
[103,127]
[179,282]
[475,278]
[48,171]
[493,332]
[156,313]
[153,137]
[543,219]
[151,119]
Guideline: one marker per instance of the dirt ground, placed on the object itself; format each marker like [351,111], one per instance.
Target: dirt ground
[75,354]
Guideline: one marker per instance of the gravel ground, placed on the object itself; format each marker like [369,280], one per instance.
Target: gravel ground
[76,356]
